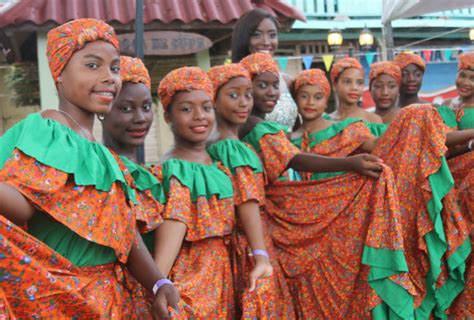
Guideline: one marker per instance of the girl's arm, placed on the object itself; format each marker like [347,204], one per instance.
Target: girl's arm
[168,240]
[365,164]
[457,137]
[460,150]
[14,206]
[369,145]
[141,265]
[249,214]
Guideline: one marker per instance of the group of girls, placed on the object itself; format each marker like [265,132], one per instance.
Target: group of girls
[246,219]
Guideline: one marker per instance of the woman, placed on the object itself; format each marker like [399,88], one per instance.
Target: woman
[327,260]
[347,76]
[191,245]
[257,31]
[73,195]
[413,67]
[384,84]
[270,297]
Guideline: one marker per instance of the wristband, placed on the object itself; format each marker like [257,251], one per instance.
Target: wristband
[470,145]
[158,284]
[260,253]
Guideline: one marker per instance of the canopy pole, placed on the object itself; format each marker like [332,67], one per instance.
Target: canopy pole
[387,47]
[139,28]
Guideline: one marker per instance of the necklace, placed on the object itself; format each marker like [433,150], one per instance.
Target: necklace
[84,132]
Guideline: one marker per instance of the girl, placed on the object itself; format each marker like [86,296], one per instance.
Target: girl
[327,260]
[191,245]
[257,31]
[347,76]
[384,84]
[233,104]
[413,67]
[81,228]
[321,136]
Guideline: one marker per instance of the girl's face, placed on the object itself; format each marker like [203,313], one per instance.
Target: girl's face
[384,91]
[412,78]
[350,86]
[91,79]
[191,116]
[131,116]
[465,83]
[234,101]
[264,38]
[311,102]
[266,92]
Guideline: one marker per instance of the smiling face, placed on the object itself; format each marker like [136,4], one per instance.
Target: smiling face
[311,102]
[234,101]
[191,116]
[91,79]
[384,90]
[412,78]
[131,116]
[264,38]
[465,83]
[266,92]
[350,86]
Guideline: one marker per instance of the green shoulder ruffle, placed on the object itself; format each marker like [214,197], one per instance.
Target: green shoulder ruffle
[144,180]
[448,116]
[233,153]
[377,129]
[60,147]
[261,129]
[200,179]
[317,137]
[467,120]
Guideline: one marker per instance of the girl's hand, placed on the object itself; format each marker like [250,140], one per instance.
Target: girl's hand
[366,164]
[262,269]
[167,296]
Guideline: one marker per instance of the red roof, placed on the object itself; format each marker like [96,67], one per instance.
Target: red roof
[40,12]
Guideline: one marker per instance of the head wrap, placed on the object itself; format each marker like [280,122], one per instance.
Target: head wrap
[183,79]
[258,63]
[133,70]
[466,61]
[70,37]
[385,67]
[313,77]
[405,58]
[343,64]
[220,75]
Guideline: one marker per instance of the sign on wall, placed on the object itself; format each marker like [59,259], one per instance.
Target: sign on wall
[166,43]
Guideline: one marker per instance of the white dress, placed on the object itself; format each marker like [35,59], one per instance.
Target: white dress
[285,111]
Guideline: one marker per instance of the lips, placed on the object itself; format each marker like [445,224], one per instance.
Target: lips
[105,96]
[242,114]
[310,110]
[412,88]
[137,133]
[463,90]
[385,101]
[265,50]
[353,96]
[199,128]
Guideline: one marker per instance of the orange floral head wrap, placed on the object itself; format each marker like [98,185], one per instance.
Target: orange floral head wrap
[133,70]
[313,77]
[385,67]
[70,37]
[346,63]
[220,75]
[183,79]
[466,61]
[258,63]
[405,58]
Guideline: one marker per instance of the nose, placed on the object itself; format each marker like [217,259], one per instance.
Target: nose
[198,113]
[384,90]
[108,76]
[139,116]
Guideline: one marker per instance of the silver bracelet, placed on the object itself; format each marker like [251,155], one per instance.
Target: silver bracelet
[470,145]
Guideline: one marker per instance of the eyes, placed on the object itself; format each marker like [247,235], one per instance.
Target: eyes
[347,81]
[317,97]
[189,109]
[264,85]
[127,108]
[96,66]
[235,95]
[257,35]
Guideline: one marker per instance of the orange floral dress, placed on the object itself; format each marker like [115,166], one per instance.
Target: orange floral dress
[70,262]
[201,197]
[271,299]
[462,170]
[338,240]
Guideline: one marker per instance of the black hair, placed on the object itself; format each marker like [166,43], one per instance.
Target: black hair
[243,30]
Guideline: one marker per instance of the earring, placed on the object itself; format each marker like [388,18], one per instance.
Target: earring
[101,117]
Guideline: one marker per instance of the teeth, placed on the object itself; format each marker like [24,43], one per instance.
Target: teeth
[106,94]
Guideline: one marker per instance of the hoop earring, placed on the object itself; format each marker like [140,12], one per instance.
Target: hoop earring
[100,117]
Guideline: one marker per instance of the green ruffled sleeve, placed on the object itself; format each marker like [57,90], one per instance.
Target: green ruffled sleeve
[233,153]
[377,129]
[467,120]
[448,116]
[261,129]
[200,179]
